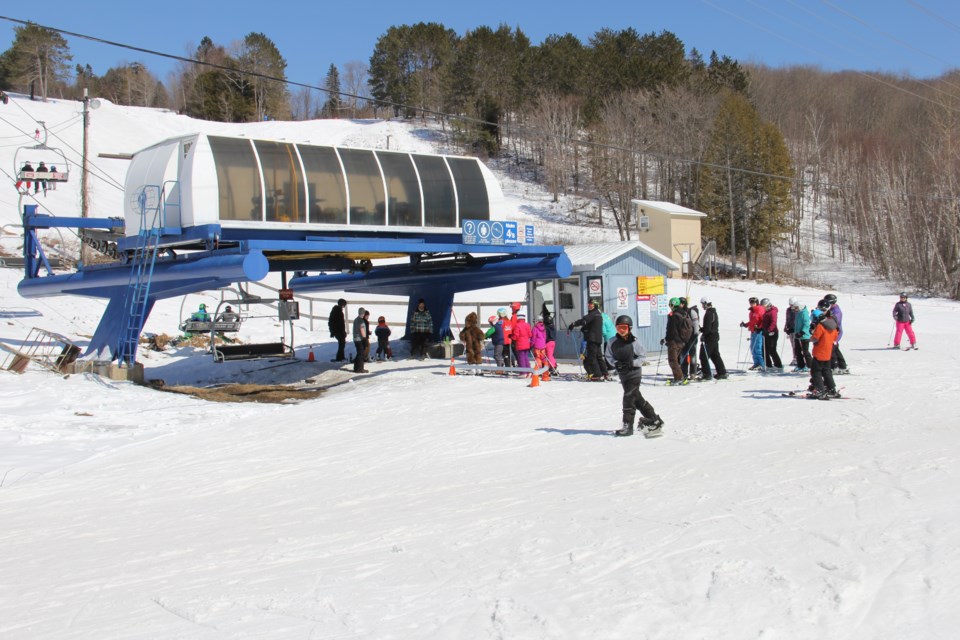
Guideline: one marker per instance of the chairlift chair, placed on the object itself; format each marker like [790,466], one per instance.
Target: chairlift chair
[33,155]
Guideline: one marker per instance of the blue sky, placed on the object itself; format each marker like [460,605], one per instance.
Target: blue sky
[909,37]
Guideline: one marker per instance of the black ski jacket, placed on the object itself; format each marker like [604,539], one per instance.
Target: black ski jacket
[710,331]
[625,355]
[592,324]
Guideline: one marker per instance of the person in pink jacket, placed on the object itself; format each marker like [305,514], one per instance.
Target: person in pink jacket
[538,344]
[522,336]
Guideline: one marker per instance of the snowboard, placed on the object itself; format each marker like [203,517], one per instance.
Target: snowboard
[648,430]
[805,395]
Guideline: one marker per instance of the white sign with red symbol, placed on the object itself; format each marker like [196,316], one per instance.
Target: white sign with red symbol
[622,298]
[595,288]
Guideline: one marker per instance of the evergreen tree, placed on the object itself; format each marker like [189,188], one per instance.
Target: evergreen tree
[332,105]
[487,83]
[624,61]
[409,67]
[213,93]
[557,65]
[38,57]
[743,187]
[259,56]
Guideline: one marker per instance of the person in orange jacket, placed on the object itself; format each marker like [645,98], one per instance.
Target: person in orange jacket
[824,335]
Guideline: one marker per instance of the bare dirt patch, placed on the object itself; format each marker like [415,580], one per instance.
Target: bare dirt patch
[271,394]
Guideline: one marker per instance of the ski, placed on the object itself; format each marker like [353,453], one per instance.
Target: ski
[805,395]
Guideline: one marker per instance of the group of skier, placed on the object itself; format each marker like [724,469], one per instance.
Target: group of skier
[514,339]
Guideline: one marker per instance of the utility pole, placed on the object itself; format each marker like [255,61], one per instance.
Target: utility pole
[89,104]
[84,197]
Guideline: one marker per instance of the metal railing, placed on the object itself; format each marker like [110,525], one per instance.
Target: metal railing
[315,306]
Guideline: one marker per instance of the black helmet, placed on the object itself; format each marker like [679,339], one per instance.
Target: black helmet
[903,294]
[753,300]
[627,320]
[823,305]
[832,299]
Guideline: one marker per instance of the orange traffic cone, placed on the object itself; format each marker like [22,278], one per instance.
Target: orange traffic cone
[310,357]
[546,375]
[535,381]
[453,369]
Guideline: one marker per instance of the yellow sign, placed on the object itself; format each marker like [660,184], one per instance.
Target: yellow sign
[650,285]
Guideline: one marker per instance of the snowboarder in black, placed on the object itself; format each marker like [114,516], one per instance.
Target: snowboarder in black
[626,354]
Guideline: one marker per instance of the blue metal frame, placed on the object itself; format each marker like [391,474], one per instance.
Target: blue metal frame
[439,266]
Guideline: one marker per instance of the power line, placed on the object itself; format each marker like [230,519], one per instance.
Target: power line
[871,76]
[940,18]
[507,127]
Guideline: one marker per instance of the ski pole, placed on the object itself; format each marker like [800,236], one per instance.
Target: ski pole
[890,339]
[659,358]
[740,346]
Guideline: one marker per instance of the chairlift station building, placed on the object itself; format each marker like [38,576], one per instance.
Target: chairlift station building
[202,212]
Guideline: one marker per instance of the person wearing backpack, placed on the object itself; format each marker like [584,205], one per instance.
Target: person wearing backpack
[679,329]
[688,356]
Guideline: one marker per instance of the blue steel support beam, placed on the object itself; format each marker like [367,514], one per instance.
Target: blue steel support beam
[100,282]
[170,279]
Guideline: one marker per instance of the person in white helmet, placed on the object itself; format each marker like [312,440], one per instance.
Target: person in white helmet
[801,336]
[710,342]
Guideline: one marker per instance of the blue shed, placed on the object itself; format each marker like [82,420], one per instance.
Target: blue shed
[627,278]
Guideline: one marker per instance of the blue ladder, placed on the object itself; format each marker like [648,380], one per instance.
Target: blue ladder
[136,299]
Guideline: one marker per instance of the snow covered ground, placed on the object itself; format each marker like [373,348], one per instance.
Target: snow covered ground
[409,503]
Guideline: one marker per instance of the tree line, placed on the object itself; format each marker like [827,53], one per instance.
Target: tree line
[764,152]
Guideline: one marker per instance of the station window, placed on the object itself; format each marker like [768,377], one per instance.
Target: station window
[365,186]
[471,189]
[238,179]
[285,201]
[439,204]
[325,184]
[403,190]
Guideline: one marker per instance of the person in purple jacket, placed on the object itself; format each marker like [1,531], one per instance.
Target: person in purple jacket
[837,362]
[903,316]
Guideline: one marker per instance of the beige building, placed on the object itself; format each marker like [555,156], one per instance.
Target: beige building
[671,230]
